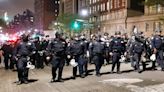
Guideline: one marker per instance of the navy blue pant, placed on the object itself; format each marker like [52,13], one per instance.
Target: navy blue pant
[39,61]
[133,63]
[137,58]
[107,56]
[22,70]
[115,60]
[160,58]
[57,63]
[82,65]
[98,61]
[6,61]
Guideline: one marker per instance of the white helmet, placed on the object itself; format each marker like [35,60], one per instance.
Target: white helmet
[123,58]
[73,63]
[30,66]
[153,57]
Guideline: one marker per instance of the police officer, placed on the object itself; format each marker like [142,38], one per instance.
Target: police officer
[45,46]
[117,49]
[107,43]
[57,48]
[137,49]
[85,43]
[130,42]
[68,58]
[77,51]
[157,45]
[97,48]
[7,49]
[22,52]
[39,53]
[92,39]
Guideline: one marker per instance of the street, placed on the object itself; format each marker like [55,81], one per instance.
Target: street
[128,81]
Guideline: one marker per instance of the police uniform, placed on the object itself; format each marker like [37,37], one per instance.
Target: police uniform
[86,53]
[57,48]
[7,49]
[117,49]
[137,49]
[157,44]
[107,43]
[77,51]
[45,54]
[39,54]
[22,52]
[97,48]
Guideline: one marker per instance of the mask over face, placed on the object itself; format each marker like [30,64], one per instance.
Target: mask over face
[76,38]
[118,36]
[133,38]
[105,37]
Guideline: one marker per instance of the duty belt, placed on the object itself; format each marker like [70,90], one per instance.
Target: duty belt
[115,50]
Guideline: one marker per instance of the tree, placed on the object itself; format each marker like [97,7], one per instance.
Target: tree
[67,23]
[154,2]
[2,23]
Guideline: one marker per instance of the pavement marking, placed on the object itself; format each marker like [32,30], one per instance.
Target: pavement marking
[153,88]
[129,84]
[123,80]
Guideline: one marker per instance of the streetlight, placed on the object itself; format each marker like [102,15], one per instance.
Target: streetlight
[84,12]
[6,18]
[55,23]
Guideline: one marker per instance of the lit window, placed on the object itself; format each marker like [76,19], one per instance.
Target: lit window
[111,2]
[56,10]
[123,3]
[104,7]
[101,7]
[108,6]
[159,8]
[98,7]
[90,1]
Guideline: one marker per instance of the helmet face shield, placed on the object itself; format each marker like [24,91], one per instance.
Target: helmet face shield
[58,35]
[25,38]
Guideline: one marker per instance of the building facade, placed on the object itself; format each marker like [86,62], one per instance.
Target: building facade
[69,6]
[22,22]
[46,11]
[122,15]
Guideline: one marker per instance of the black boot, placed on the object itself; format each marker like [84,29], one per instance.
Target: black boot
[19,82]
[60,80]
[144,66]
[52,81]
[153,65]
[82,76]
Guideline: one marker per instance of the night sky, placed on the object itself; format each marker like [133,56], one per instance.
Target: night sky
[15,6]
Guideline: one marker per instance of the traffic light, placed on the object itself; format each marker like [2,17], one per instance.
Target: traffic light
[76,25]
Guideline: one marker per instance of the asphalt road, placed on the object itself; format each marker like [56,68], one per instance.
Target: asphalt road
[128,81]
